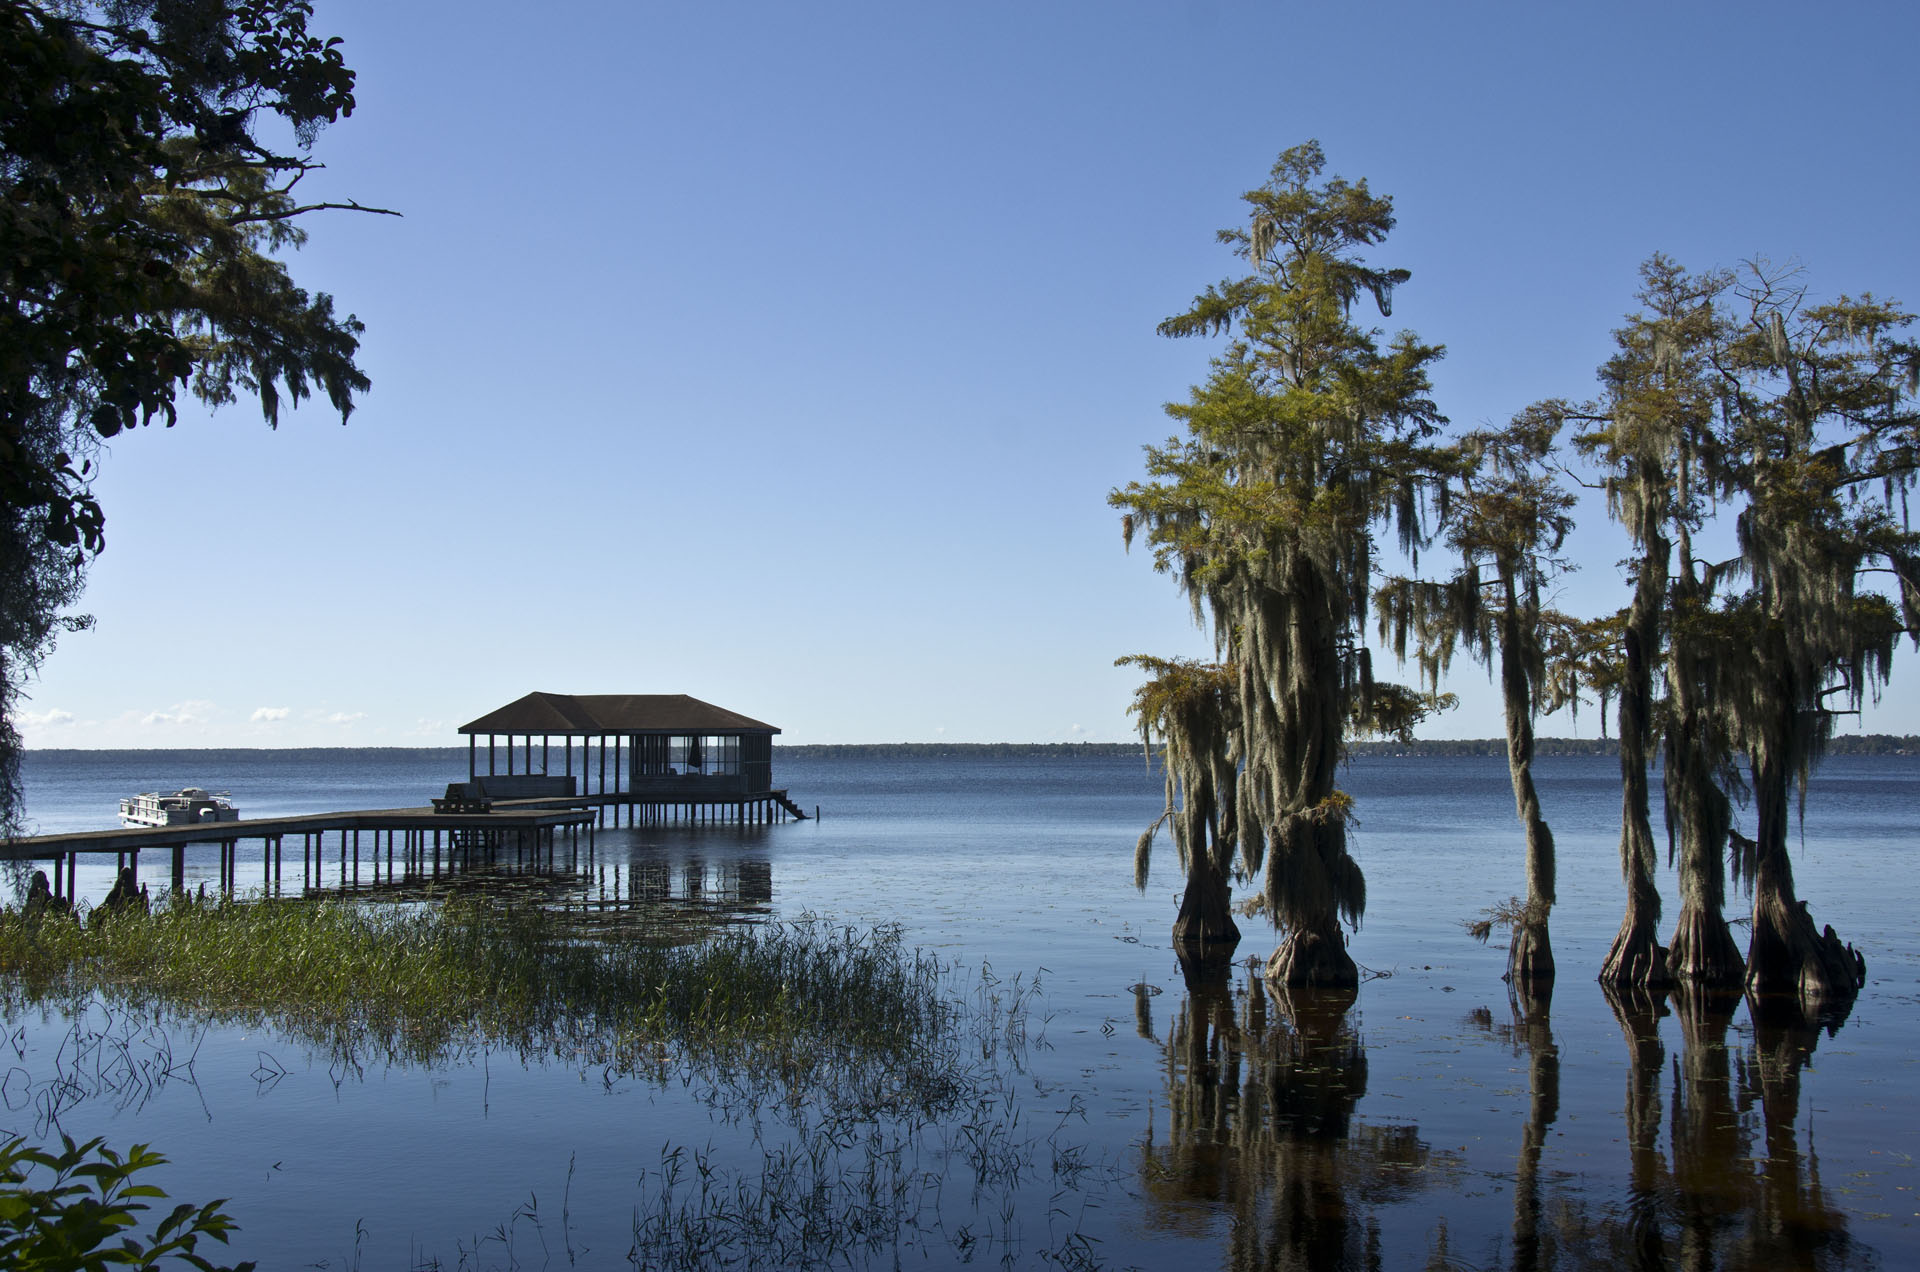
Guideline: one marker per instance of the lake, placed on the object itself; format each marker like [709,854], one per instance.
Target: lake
[1141,1118]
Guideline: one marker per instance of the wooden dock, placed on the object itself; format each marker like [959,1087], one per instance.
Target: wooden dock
[418,834]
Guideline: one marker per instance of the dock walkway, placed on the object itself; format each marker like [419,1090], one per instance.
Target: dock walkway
[419,830]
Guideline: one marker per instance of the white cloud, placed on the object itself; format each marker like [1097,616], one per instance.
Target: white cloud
[346,717]
[46,719]
[193,711]
[265,714]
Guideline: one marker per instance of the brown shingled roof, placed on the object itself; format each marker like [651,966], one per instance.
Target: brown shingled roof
[598,713]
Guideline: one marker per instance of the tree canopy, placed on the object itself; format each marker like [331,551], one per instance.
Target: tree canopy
[150,154]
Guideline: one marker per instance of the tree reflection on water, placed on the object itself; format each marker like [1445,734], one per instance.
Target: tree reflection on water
[1727,1187]
[1262,1087]
[1266,1141]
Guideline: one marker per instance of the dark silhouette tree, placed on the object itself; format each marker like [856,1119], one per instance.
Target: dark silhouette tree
[141,203]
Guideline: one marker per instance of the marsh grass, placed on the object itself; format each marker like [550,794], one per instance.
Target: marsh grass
[801,1004]
[882,1096]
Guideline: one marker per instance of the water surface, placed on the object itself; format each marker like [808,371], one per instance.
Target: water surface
[1158,1118]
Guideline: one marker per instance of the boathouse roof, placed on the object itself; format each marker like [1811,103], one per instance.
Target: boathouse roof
[603,713]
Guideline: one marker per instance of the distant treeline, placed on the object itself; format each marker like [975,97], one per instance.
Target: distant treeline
[1850,744]
[957,750]
[1860,744]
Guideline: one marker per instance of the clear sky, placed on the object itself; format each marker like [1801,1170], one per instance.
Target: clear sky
[784,354]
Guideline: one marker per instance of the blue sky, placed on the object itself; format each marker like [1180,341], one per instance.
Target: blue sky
[784,355]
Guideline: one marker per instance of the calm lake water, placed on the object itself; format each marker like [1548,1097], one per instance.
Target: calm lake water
[1152,1121]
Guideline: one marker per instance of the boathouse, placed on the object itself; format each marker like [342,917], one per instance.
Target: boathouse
[658,755]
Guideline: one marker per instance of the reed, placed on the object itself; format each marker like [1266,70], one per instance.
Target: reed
[801,1002]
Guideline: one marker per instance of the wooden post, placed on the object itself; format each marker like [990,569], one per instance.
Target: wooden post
[473,759]
[179,867]
[489,755]
[545,744]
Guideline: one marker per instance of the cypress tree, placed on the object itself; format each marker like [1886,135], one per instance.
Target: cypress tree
[1309,433]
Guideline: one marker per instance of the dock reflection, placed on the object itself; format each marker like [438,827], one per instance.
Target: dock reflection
[688,884]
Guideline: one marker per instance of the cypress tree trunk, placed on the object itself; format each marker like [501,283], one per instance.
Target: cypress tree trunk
[1313,958]
[1702,951]
[1310,878]
[1530,956]
[1206,910]
[1787,955]
[1187,705]
[1636,960]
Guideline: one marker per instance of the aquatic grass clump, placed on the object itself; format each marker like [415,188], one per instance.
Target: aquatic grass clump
[886,1092]
[804,1003]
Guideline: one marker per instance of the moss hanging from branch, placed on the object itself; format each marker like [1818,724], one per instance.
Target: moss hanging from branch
[1189,708]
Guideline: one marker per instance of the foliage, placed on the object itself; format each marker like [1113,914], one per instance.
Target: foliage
[39,579]
[80,1219]
[1189,708]
[142,199]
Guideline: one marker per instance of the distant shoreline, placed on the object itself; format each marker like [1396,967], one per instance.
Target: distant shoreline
[1860,744]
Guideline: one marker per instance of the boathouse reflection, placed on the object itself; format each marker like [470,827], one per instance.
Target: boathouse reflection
[1261,1091]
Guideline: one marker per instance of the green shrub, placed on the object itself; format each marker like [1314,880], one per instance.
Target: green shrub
[82,1218]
